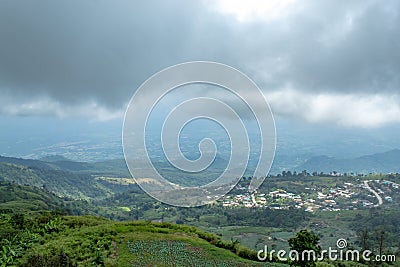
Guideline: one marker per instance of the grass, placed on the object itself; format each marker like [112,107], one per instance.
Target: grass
[252,237]
[92,241]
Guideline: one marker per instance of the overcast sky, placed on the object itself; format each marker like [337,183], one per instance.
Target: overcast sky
[334,62]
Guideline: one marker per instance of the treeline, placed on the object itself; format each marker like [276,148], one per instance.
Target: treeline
[379,230]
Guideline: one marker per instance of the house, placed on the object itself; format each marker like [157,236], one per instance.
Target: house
[367,203]
[388,199]
[274,193]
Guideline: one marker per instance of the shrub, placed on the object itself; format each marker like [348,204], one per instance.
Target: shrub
[59,260]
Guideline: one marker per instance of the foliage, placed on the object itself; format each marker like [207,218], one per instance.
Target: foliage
[17,220]
[95,241]
[58,260]
[62,182]
[30,236]
[304,241]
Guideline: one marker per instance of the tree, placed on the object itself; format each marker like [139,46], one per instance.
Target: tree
[364,238]
[306,244]
[380,237]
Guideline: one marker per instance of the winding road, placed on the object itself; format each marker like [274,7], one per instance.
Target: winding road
[380,201]
[253,199]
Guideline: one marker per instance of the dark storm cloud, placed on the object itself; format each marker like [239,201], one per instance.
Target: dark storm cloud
[357,48]
[329,46]
[75,51]
[59,54]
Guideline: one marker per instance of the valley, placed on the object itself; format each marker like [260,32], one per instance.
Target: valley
[332,205]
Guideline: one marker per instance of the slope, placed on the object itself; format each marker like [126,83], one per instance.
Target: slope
[96,241]
[386,162]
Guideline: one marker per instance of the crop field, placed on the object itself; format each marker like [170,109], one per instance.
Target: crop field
[176,253]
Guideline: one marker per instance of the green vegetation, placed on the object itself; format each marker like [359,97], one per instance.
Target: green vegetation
[15,198]
[75,185]
[305,241]
[86,241]
[18,198]
[36,199]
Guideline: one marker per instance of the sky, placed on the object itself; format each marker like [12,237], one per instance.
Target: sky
[317,62]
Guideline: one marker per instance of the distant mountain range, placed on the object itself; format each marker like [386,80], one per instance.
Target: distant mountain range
[113,167]
[386,162]
[78,180]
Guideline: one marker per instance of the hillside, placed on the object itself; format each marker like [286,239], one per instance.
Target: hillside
[99,242]
[31,235]
[77,180]
[15,198]
[22,198]
[112,167]
[27,162]
[62,183]
[82,173]
[387,162]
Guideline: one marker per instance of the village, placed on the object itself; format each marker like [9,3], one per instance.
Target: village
[347,196]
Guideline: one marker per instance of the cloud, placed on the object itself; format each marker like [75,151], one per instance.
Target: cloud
[44,106]
[253,10]
[333,48]
[68,57]
[75,52]
[349,110]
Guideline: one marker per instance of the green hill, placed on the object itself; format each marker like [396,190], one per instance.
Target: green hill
[26,162]
[90,241]
[112,167]
[28,200]
[21,198]
[63,183]
[31,235]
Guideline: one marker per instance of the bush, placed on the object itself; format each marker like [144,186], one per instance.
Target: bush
[59,260]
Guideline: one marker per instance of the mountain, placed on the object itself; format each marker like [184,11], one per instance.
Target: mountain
[22,198]
[62,183]
[55,162]
[27,162]
[28,200]
[73,166]
[53,158]
[386,162]
[113,166]
[49,163]
[77,180]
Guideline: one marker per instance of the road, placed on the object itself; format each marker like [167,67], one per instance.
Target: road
[380,201]
[253,199]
